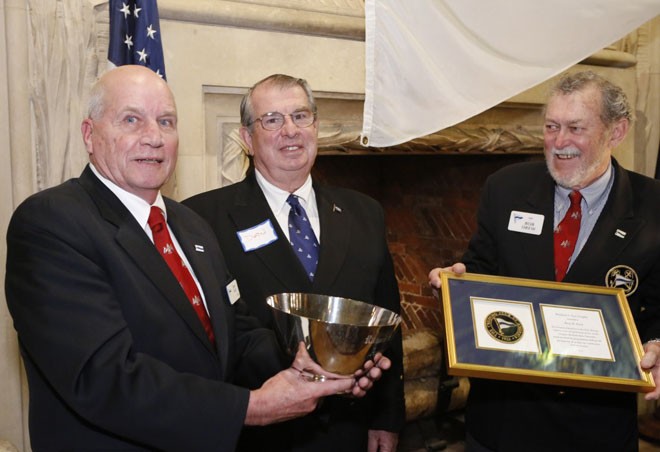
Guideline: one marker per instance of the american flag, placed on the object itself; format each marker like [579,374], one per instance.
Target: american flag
[135,34]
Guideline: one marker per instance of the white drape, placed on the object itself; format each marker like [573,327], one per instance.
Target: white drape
[431,64]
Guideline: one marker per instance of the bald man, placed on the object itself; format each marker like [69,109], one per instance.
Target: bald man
[117,355]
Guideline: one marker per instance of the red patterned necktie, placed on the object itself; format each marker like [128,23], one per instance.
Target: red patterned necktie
[566,235]
[164,244]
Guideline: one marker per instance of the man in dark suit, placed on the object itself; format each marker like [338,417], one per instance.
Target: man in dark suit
[250,218]
[618,245]
[116,355]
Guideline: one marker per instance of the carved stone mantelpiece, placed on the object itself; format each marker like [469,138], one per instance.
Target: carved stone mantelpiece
[327,51]
[222,45]
[342,19]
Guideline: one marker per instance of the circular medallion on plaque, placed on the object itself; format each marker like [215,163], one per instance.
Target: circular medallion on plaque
[504,327]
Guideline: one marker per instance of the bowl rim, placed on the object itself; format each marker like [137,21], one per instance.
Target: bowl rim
[396,316]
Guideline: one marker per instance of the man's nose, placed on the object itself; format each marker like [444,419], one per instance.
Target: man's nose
[562,139]
[152,135]
[289,128]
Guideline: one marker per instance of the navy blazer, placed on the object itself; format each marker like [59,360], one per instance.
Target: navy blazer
[354,262]
[116,358]
[540,417]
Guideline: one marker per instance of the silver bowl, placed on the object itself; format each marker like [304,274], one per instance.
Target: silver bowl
[340,333]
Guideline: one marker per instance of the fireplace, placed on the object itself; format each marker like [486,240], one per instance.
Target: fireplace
[430,204]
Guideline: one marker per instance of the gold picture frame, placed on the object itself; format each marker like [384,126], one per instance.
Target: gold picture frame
[541,332]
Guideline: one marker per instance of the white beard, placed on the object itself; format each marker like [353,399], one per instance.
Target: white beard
[586,171]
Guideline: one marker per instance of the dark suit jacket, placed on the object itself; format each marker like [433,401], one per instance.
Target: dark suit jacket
[513,416]
[116,358]
[354,262]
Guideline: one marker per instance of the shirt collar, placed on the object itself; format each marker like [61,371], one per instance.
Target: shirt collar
[137,206]
[277,197]
[593,193]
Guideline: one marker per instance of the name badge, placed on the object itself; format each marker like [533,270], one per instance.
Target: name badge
[257,236]
[232,292]
[527,223]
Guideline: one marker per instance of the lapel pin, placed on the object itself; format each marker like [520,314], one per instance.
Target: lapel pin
[621,234]
[199,248]
[336,208]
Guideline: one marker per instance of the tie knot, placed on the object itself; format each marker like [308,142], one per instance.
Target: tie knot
[156,218]
[293,201]
[575,197]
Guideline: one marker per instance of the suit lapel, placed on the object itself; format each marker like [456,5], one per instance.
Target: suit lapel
[278,257]
[615,229]
[539,251]
[336,222]
[135,243]
[195,248]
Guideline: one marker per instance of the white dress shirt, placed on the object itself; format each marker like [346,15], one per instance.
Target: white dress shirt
[277,197]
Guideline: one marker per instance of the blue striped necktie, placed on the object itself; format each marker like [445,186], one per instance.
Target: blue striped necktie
[302,237]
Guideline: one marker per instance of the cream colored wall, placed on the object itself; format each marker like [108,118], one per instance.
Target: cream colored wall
[15,183]
[212,48]
[256,54]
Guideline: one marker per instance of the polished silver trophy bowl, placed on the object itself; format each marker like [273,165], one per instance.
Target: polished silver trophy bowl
[339,333]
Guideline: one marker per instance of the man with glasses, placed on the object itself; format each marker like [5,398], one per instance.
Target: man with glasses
[348,253]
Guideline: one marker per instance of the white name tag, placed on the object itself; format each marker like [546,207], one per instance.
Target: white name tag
[527,223]
[232,292]
[257,236]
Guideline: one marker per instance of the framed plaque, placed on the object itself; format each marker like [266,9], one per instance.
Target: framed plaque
[541,332]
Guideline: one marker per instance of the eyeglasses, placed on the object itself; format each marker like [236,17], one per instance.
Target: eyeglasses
[275,120]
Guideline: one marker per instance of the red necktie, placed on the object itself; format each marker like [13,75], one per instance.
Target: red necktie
[164,244]
[566,235]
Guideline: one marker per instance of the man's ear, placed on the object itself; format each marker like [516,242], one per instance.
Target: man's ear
[86,129]
[618,132]
[247,138]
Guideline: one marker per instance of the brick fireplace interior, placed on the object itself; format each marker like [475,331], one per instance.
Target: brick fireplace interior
[430,204]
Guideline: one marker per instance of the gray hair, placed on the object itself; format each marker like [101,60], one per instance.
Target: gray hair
[614,103]
[281,81]
[96,101]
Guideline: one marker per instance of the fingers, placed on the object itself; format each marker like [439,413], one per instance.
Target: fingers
[383,362]
[371,371]
[651,356]
[296,391]
[653,395]
[651,362]
[373,368]
[357,384]
[362,386]
[290,394]
[382,441]
[304,364]
[434,275]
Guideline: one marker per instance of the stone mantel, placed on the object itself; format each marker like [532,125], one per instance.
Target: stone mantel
[338,19]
